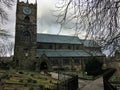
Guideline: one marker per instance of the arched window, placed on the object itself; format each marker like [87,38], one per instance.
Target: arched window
[26,36]
[26,19]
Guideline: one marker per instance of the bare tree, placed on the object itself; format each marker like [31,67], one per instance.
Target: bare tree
[5,4]
[3,50]
[98,18]
[4,35]
[10,48]
[6,48]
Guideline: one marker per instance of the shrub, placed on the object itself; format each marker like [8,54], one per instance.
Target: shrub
[8,78]
[15,88]
[29,80]
[93,66]
[4,76]
[58,68]
[20,72]
[32,75]
[31,88]
[25,85]
[21,80]
[45,79]
[4,65]
[41,87]
[34,81]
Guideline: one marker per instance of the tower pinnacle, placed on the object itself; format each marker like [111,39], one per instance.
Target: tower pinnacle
[35,1]
[17,1]
[27,1]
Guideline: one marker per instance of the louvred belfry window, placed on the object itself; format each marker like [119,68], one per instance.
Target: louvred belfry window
[26,19]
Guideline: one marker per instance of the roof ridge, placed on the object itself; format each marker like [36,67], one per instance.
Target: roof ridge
[59,50]
[56,35]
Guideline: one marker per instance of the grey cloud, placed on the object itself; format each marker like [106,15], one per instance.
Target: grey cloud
[46,22]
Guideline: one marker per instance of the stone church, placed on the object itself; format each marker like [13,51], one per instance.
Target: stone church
[42,51]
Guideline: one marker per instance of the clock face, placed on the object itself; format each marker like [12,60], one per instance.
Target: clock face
[27,10]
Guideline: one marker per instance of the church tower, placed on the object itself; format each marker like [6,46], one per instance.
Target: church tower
[25,35]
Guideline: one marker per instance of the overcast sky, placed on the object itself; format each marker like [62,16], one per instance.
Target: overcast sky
[46,21]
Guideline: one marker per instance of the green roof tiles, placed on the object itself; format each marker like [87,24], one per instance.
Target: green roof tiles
[90,43]
[47,38]
[50,38]
[62,53]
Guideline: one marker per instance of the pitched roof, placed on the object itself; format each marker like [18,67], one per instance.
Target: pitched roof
[50,38]
[95,53]
[62,53]
[47,38]
[90,43]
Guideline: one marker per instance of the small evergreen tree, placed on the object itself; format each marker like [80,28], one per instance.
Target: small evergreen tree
[93,66]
